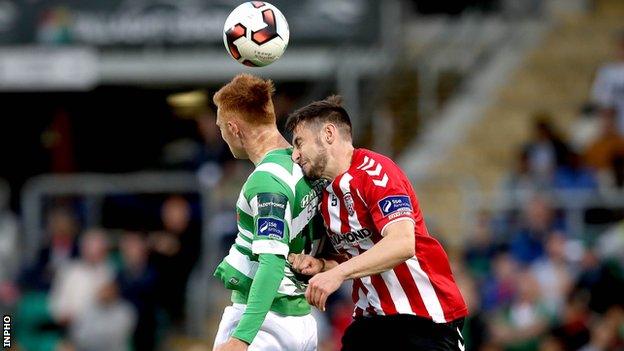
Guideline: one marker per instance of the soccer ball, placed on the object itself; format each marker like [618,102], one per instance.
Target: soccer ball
[256,33]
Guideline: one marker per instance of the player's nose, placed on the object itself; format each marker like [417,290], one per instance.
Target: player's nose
[296,155]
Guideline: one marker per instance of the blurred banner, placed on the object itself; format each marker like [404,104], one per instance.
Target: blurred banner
[177,23]
[43,69]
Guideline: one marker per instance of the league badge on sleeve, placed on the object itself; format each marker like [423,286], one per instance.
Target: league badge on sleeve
[271,227]
[395,206]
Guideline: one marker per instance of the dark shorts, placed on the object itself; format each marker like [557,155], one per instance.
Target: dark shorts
[402,332]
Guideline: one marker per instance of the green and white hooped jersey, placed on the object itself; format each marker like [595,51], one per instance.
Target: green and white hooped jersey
[274,214]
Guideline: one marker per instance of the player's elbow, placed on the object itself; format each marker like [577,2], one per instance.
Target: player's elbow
[408,247]
[402,234]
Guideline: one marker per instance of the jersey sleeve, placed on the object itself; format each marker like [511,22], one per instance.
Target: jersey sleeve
[388,198]
[271,206]
[261,295]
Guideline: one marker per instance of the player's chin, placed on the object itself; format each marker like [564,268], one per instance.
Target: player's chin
[309,173]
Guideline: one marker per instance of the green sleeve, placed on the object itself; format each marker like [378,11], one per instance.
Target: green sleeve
[261,295]
[271,204]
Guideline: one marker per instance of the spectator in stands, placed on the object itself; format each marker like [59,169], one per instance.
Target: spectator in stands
[521,324]
[521,180]
[553,273]
[610,244]
[137,283]
[175,251]
[527,244]
[9,253]
[608,87]
[214,149]
[606,148]
[225,194]
[617,172]
[601,280]
[574,175]
[586,128]
[572,327]
[61,248]
[481,248]
[547,150]
[105,325]
[499,289]
[605,334]
[75,286]
[608,144]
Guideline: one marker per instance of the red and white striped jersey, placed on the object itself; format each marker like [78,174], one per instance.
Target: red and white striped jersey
[356,207]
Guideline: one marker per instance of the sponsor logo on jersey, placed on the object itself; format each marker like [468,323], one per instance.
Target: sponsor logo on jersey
[272,204]
[310,199]
[350,238]
[348,200]
[271,227]
[395,206]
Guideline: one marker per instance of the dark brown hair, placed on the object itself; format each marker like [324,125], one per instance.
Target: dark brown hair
[328,110]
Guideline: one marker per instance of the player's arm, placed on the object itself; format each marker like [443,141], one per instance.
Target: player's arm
[270,243]
[261,295]
[324,260]
[396,247]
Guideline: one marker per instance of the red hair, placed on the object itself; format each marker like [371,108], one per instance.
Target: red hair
[249,97]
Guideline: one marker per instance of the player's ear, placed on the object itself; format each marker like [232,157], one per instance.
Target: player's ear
[329,133]
[233,128]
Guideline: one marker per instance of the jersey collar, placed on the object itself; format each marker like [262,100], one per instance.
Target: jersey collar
[286,151]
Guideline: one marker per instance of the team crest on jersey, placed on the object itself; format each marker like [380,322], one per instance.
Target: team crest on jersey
[272,228]
[395,206]
[348,200]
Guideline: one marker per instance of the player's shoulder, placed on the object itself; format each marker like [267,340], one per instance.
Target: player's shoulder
[372,168]
[367,163]
[266,180]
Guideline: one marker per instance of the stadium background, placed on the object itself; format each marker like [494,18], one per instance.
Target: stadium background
[113,171]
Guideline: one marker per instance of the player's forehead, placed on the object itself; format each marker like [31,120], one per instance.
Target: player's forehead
[301,132]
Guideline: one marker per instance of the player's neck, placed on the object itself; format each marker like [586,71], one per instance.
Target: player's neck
[342,157]
[263,142]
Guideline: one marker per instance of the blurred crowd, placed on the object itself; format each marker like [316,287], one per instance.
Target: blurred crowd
[533,282]
[98,289]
